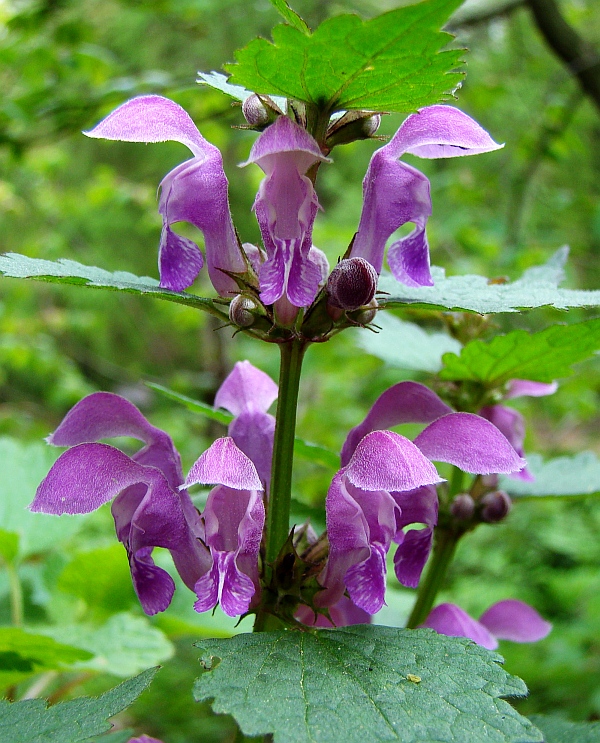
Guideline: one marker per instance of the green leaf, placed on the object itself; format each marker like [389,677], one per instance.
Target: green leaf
[111,590]
[389,63]
[63,271]
[406,345]
[578,475]
[24,466]
[122,646]
[557,730]
[540,357]
[119,736]
[9,545]
[68,722]
[24,653]
[306,449]
[291,16]
[538,287]
[196,406]
[362,683]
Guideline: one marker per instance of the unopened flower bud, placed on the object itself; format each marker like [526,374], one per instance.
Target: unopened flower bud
[255,112]
[241,311]
[496,506]
[351,126]
[352,284]
[462,507]
[366,315]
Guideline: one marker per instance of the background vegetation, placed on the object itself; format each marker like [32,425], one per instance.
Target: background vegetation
[64,65]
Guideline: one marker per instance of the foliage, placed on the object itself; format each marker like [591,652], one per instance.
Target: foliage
[70,722]
[335,684]
[390,63]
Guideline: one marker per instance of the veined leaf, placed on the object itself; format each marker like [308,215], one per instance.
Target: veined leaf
[362,683]
[538,287]
[291,16]
[389,63]
[578,475]
[406,345]
[16,266]
[540,357]
[31,721]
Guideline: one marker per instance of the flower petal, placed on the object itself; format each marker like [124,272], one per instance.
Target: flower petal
[285,136]
[366,581]
[418,506]
[197,192]
[246,388]
[512,425]
[405,402]
[469,442]
[441,131]
[515,620]
[387,461]
[237,588]
[411,556]
[253,433]
[151,118]
[451,620]
[85,477]
[179,261]
[527,388]
[153,585]
[225,464]
[394,193]
[408,258]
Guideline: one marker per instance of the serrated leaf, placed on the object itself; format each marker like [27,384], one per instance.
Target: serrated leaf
[24,466]
[63,271]
[306,449]
[578,475]
[539,357]
[362,683]
[31,721]
[538,287]
[406,345]
[389,63]
[291,16]
[219,81]
[557,730]
[122,646]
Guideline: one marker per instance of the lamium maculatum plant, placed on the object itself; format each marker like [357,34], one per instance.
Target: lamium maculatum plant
[319,665]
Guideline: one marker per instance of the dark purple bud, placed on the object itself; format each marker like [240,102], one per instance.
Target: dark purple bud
[352,284]
[496,506]
[366,315]
[241,311]
[255,112]
[463,507]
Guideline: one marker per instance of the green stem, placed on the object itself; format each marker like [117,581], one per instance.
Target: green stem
[443,553]
[16,594]
[278,510]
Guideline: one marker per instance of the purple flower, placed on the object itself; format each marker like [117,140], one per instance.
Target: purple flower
[247,393]
[195,192]
[343,613]
[286,206]
[234,518]
[144,739]
[506,620]
[396,193]
[387,482]
[510,421]
[150,510]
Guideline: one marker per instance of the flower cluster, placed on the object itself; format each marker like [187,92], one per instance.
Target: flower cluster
[290,270]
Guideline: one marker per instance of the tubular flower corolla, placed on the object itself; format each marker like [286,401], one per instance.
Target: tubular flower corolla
[195,192]
[396,193]
[150,508]
[387,482]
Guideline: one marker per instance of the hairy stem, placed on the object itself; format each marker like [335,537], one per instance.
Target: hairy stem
[278,509]
[443,552]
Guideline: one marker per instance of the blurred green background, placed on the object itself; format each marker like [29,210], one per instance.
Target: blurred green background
[66,64]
